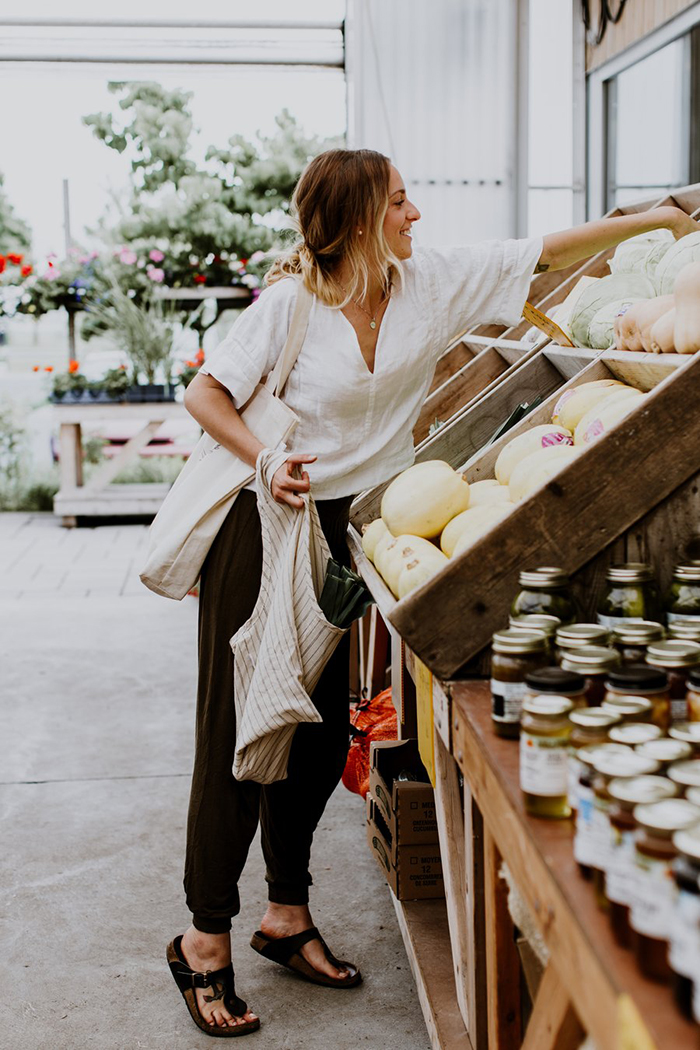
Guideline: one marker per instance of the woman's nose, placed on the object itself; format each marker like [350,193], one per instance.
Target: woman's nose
[413,213]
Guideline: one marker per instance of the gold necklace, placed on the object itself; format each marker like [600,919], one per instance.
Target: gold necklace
[373,320]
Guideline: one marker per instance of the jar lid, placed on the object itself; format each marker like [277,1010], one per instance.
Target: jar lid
[637,678]
[675,652]
[535,622]
[685,773]
[638,632]
[590,659]
[694,677]
[689,629]
[687,842]
[555,680]
[665,750]
[635,791]
[688,731]
[546,577]
[664,817]
[628,706]
[575,635]
[630,572]
[689,573]
[595,718]
[633,733]
[547,706]
[693,795]
[589,753]
[632,765]
[515,641]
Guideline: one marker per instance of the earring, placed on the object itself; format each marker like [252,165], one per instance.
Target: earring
[360,232]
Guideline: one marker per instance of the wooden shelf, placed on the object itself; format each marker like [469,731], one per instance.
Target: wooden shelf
[605,986]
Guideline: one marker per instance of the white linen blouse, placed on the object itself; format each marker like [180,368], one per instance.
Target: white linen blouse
[359,423]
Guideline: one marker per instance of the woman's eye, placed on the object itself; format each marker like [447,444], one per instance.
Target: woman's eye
[399,203]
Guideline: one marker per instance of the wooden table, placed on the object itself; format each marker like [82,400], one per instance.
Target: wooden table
[99,497]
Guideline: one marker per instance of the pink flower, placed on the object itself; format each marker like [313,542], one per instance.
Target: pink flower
[256,257]
[127,257]
[156,274]
[156,255]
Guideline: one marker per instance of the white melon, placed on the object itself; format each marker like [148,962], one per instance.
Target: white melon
[483,493]
[406,548]
[543,436]
[423,498]
[538,468]
[603,418]
[371,535]
[472,524]
[577,400]
[418,572]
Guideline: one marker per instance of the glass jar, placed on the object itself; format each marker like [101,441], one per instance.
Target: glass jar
[585,845]
[630,593]
[593,662]
[633,733]
[682,601]
[620,871]
[537,622]
[555,681]
[688,731]
[652,908]
[513,655]
[684,945]
[544,750]
[589,726]
[685,630]
[632,638]
[676,658]
[641,680]
[693,695]
[544,590]
[693,795]
[685,773]
[632,709]
[665,751]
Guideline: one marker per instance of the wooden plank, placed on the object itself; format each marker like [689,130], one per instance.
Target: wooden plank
[638,21]
[127,453]
[441,711]
[380,592]
[502,960]
[476,925]
[377,653]
[117,500]
[71,455]
[461,387]
[423,926]
[84,412]
[553,1024]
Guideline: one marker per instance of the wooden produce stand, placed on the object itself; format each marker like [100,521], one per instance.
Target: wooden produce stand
[633,495]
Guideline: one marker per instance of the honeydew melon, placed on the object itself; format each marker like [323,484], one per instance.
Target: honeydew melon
[543,436]
[538,468]
[604,417]
[578,400]
[423,498]
[371,534]
[467,527]
[419,571]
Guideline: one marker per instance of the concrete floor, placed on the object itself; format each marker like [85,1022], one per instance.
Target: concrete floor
[96,714]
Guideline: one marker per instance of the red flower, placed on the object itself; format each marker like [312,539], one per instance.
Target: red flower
[49,368]
[14,258]
[190,364]
[26,270]
[73,365]
[199,278]
[122,368]
[2,263]
[35,368]
[199,357]
[244,263]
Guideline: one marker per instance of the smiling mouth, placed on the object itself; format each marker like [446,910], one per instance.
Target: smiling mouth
[405,233]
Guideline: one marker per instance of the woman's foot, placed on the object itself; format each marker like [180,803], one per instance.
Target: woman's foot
[211,951]
[284,920]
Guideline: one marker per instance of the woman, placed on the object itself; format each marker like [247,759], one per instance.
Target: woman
[381,316]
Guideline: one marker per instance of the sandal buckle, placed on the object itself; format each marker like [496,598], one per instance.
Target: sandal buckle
[200,980]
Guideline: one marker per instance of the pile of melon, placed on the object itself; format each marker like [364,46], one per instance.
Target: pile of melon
[430,513]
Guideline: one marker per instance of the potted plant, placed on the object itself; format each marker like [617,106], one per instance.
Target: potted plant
[71,386]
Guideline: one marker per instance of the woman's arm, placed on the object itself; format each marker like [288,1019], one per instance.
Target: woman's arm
[570,246]
[209,402]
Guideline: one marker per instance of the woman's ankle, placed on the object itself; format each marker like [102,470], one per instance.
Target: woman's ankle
[207,945]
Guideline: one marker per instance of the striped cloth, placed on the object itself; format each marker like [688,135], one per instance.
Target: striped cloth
[280,652]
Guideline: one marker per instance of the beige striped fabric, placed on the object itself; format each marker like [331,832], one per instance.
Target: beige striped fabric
[280,652]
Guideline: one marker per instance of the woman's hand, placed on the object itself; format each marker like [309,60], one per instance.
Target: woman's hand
[286,481]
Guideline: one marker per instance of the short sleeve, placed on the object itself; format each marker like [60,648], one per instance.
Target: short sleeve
[254,342]
[483,283]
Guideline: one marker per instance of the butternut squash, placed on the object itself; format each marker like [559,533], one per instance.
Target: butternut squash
[661,334]
[649,313]
[626,329]
[686,323]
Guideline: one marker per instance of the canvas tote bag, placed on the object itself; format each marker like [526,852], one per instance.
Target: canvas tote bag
[196,506]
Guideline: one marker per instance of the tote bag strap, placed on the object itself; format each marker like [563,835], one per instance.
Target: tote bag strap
[295,339]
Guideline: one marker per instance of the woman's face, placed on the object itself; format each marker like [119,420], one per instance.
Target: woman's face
[400,217]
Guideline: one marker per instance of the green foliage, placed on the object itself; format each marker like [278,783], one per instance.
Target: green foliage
[145,332]
[15,233]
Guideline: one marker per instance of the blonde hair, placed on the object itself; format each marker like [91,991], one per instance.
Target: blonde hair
[340,193]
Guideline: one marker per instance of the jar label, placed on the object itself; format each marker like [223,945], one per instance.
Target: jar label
[583,851]
[575,768]
[611,622]
[620,869]
[544,765]
[672,617]
[684,946]
[507,700]
[679,710]
[652,905]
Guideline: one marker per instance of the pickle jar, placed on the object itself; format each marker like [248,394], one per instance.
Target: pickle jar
[513,654]
[682,601]
[633,710]
[620,871]
[676,658]
[693,695]
[640,680]
[593,662]
[685,774]
[585,845]
[557,682]
[665,751]
[589,726]
[632,638]
[688,731]
[684,945]
[685,630]
[630,593]
[537,622]
[544,751]
[576,635]
[651,916]
[544,590]
[633,733]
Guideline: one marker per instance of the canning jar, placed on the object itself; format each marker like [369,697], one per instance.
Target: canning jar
[589,726]
[632,709]
[682,601]
[556,681]
[651,915]
[620,871]
[685,774]
[593,662]
[544,590]
[585,844]
[633,733]
[630,593]
[676,657]
[576,635]
[693,695]
[544,749]
[632,638]
[684,945]
[685,630]
[665,751]
[640,680]
[537,622]
[513,654]
[688,731]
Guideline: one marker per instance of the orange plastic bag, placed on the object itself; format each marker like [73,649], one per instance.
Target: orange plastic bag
[373,719]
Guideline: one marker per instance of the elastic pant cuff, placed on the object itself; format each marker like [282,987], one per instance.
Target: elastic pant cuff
[211,925]
[287,894]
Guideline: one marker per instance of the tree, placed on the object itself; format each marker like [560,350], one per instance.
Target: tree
[15,233]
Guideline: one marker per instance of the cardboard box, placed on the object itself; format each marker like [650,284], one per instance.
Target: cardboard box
[408,807]
[413,871]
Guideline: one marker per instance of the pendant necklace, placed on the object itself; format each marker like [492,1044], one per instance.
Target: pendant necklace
[373,320]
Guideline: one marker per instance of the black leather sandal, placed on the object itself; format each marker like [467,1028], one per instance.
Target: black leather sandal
[285,951]
[223,987]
